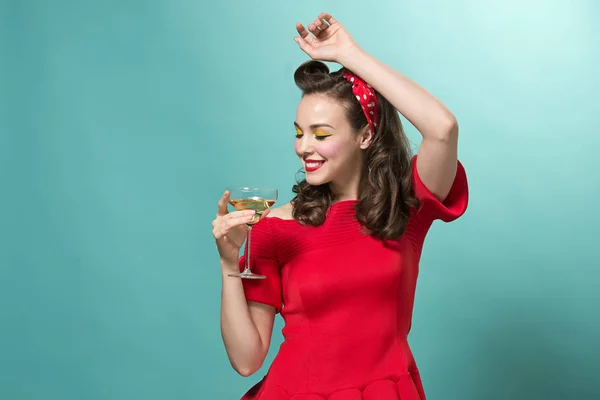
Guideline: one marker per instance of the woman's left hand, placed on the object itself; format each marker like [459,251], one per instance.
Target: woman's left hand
[329,40]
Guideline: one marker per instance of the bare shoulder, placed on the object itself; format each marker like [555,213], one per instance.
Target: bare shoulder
[283,212]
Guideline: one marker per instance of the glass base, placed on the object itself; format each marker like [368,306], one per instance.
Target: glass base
[247,275]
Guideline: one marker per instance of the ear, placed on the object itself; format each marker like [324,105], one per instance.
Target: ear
[366,137]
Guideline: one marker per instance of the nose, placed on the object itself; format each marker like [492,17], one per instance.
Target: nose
[304,146]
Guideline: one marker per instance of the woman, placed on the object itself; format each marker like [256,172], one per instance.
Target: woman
[343,255]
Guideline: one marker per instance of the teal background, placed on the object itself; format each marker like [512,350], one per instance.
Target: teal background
[122,121]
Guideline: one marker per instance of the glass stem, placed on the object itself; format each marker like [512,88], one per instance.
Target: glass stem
[248,236]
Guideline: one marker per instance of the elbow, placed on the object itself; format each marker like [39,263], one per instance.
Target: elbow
[449,128]
[246,370]
[248,367]
[446,130]
[443,130]
[247,358]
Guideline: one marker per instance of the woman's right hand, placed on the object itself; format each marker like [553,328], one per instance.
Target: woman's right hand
[229,230]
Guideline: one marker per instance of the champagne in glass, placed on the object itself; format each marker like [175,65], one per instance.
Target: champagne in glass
[259,200]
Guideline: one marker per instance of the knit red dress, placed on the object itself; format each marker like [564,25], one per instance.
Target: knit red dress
[346,299]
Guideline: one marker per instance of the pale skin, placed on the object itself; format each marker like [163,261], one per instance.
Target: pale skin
[246,327]
[324,134]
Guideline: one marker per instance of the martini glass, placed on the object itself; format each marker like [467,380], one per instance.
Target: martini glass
[259,200]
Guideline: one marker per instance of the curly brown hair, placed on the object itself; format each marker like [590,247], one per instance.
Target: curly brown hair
[385,192]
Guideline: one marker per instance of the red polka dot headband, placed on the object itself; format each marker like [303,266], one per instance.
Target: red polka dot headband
[365,95]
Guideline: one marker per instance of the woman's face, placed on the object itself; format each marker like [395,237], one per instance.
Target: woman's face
[329,149]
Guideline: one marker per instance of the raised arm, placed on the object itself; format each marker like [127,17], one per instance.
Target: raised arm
[437,156]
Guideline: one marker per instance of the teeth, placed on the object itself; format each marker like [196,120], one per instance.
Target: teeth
[314,165]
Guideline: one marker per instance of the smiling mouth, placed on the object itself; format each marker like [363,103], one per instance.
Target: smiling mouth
[311,166]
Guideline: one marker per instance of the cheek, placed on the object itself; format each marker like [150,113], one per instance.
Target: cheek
[329,148]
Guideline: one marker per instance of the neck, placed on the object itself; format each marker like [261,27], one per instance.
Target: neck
[346,188]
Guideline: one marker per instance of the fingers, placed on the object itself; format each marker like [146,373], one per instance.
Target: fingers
[314,30]
[301,30]
[318,27]
[222,205]
[328,18]
[303,39]
[222,225]
[305,46]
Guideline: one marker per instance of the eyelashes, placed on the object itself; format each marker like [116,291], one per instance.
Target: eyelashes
[319,134]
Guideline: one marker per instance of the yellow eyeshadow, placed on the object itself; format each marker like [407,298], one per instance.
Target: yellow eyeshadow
[299,132]
[320,132]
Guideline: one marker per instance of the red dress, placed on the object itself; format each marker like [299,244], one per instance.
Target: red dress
[346,299]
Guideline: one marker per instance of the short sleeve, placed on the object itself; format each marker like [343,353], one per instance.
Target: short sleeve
[453,206]
[263,261]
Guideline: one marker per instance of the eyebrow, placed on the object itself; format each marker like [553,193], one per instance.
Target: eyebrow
[314,126]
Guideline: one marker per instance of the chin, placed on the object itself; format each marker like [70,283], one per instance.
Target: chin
[316,180]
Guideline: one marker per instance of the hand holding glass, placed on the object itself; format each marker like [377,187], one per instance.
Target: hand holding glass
[259,200]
